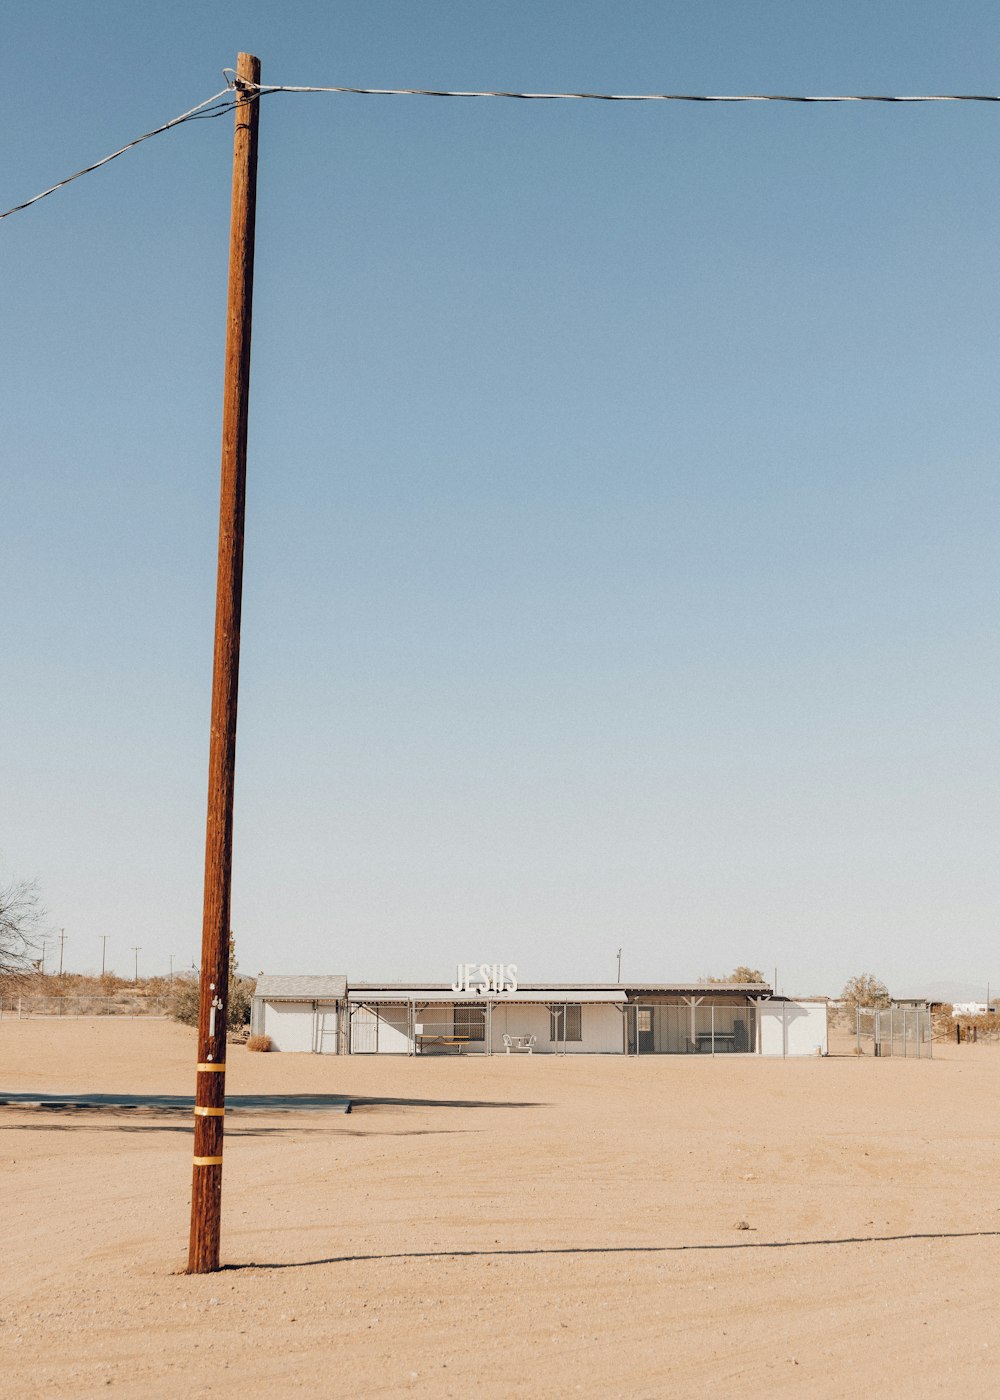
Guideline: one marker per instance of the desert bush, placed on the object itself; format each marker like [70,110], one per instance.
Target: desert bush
[184,1001]
[259,1042]
[743,973]
[238,1006]
[865,990]
[185,996]
[978,1028]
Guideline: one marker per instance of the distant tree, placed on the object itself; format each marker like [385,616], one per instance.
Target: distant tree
[864,990]
[746,974]
[21,916]
[740,974]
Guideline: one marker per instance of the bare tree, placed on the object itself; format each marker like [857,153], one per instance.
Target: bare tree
[21,916]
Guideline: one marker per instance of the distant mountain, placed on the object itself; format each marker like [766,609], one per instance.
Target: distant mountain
[949,991]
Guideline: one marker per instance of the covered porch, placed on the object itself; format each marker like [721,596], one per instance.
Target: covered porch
[707,1019]
[436,1020]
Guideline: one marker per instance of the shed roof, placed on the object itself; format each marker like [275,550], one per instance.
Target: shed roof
[309,988]
[439,994]
[698,988]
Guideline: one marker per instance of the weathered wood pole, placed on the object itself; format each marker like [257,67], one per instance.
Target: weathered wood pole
[210,1081]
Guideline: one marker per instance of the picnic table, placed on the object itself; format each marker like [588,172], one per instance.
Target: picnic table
[725,1041]
[446,1041]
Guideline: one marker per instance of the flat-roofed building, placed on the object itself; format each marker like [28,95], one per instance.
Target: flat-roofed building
[494,1016]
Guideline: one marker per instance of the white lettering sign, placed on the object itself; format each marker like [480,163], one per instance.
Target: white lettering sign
[483,978]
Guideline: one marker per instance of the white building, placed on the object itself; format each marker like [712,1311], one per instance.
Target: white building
[329,1015]
[299,1013]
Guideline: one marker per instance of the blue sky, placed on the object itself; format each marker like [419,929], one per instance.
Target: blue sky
[622,500]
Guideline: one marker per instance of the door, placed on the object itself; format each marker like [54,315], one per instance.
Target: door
[364,1030]
[644,1029]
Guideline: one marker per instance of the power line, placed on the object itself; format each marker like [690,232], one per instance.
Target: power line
[203,109]
[236,92]
[266,88]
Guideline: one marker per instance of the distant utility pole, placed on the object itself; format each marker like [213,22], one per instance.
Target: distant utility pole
[136,949]
[210,1085]
[62,940]
[171,967]
[45,943]
[104,949]
[619,964]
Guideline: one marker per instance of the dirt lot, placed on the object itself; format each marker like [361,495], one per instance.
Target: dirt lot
[506,1227]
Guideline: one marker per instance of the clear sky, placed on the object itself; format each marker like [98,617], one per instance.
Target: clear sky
[621,558]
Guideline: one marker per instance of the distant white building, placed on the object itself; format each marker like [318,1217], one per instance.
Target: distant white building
[970,1008]
[329,1015]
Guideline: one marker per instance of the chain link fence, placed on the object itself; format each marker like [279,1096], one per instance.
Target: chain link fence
[53,1008]
[895,1030]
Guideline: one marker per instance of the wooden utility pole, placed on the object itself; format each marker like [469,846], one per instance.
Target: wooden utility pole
[210,1090]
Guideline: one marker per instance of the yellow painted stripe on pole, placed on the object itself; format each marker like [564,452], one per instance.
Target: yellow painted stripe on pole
[208,1112]
[208,1069]
[208,1161]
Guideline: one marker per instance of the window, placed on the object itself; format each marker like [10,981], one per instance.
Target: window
[573,1029]
[471,1021]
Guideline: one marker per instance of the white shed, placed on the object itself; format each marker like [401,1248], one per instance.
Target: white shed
[299,1013]
[788,1027]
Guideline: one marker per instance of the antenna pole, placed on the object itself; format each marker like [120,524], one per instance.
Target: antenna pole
[210,1083]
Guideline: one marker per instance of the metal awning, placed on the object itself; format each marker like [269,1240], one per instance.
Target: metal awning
[389,996]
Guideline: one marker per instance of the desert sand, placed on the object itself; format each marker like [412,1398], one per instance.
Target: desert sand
[506,1227]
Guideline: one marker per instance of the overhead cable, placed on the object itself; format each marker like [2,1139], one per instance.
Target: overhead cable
[264,88]
[236,93]
[226,100]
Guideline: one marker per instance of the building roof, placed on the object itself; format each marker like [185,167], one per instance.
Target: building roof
[315,988]
[521,986]
[550,991]
[698,988]
[440,994]
[274,988]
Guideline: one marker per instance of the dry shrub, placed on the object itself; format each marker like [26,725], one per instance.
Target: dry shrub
[983,1029]
[259,1042]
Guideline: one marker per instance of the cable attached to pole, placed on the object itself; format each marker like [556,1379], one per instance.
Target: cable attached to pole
[623,96]
[237,91]
[228,101]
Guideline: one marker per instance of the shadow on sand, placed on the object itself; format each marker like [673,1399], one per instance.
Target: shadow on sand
[296,1128]
[240,1103]
[621,1249]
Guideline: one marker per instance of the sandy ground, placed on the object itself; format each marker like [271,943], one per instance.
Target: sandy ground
[506,1227]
